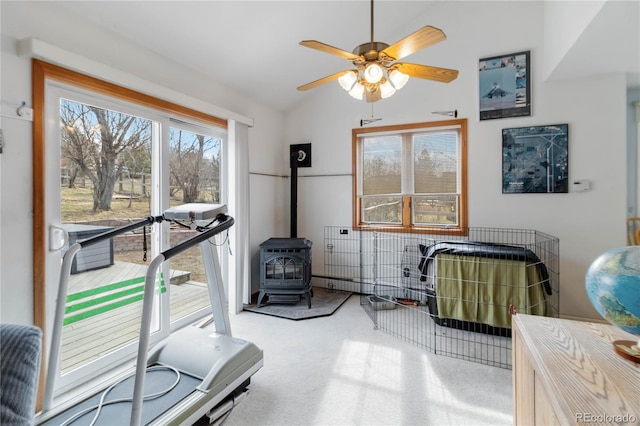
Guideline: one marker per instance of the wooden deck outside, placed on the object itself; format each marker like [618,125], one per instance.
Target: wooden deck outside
[87,339]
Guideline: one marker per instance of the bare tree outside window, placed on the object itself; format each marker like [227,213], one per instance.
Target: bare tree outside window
[195,167]
[95,139]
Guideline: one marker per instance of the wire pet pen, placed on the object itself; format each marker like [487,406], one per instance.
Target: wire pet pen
[453,295]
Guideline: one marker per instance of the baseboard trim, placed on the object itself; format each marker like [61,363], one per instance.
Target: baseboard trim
[366,286]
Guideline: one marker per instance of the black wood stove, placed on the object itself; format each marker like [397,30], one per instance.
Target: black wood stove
[285,270]
[285,263]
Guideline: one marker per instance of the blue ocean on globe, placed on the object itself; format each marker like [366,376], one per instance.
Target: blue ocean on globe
[613,287]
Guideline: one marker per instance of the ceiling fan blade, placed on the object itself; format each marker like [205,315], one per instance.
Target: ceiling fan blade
[444,75]
[313,44]
[323,80]
[424,37]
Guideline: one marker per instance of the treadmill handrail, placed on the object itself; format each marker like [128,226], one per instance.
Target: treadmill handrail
[147,309]
[149,220]
[58,320]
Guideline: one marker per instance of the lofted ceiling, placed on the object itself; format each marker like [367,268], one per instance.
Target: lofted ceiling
[611,42]
[253,47]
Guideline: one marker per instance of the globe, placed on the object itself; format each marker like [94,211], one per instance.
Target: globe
[613,287]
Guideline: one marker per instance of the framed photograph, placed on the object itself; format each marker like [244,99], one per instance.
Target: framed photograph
[535,159]
[505,89]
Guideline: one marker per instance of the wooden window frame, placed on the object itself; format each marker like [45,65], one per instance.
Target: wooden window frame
[407,226]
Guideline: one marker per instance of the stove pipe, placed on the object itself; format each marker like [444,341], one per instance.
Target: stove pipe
[294,194]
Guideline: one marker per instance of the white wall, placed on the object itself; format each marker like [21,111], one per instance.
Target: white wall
[587,223]
[41,20]
[564,23]
[16,288]
[633,152]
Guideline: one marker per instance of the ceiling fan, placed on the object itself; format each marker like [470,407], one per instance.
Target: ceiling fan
[376,75]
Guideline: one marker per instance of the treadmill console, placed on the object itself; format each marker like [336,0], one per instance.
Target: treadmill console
[195,211]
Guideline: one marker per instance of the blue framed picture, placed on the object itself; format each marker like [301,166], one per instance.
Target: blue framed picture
[535,159]
[505,87]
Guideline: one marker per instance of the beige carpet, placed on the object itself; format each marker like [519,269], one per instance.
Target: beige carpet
[338,370]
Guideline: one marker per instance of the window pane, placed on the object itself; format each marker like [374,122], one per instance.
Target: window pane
[435,157]
[105,165]
[194,177]
[195,167]
[435,210]
[382,209]
[411,175]
[382,159]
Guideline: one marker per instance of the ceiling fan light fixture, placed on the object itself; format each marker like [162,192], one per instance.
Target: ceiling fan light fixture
[348,79]
[398,79]
[386,89]
[376,76]
[357,91]
[373,73]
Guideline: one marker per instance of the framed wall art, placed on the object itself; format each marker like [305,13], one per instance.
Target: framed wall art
[505,86]
[535,159]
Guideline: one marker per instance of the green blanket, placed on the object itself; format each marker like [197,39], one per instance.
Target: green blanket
[482,290]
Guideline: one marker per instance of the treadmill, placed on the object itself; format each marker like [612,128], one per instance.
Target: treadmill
[192,374]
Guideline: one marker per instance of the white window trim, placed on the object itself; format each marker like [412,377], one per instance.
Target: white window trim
[55,91]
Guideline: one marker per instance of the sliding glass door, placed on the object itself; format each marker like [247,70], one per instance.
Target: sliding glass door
[111,163]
